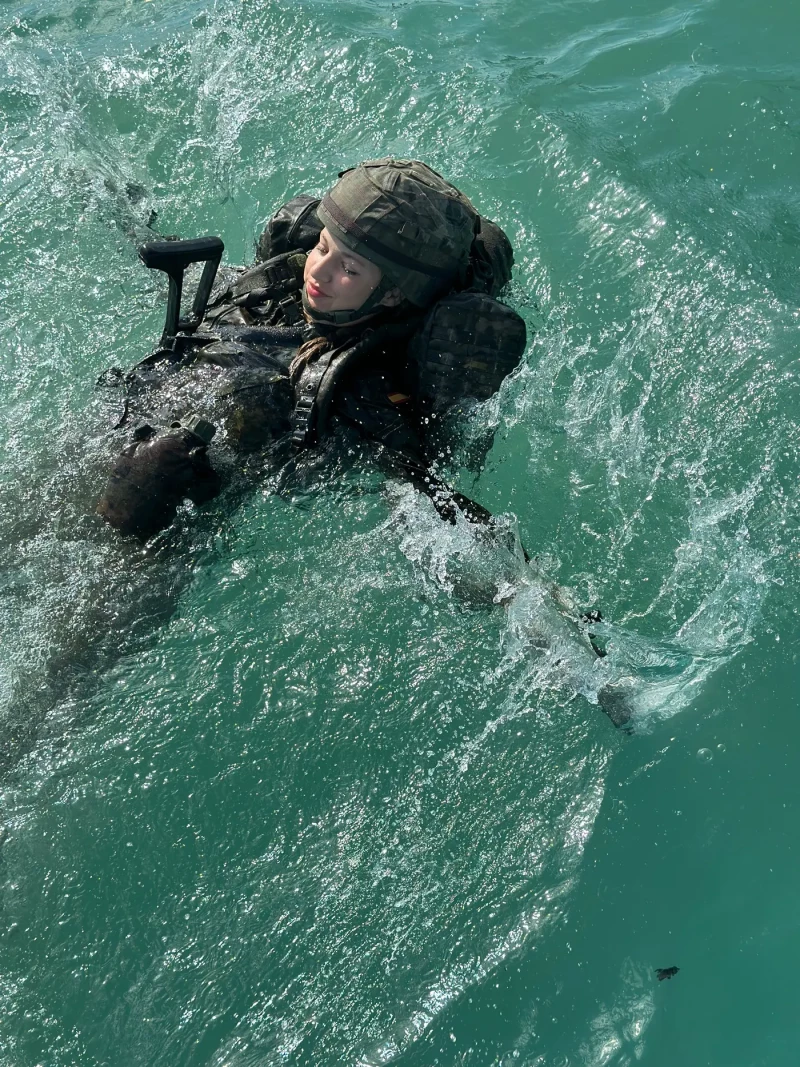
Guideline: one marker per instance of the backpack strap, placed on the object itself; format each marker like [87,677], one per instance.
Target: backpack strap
[319,380]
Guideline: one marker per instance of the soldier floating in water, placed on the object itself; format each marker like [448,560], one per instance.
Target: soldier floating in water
[370,321]
[371,315]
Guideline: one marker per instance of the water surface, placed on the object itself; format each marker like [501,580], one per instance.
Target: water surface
[282,793]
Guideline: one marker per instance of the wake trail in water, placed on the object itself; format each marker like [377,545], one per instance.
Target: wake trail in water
[675,409]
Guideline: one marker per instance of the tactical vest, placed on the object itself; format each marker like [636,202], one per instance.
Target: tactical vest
[460,349]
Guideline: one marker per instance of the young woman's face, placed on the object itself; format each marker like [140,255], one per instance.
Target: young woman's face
[337,279]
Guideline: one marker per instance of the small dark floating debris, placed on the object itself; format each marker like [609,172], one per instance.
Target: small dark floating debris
[666,972]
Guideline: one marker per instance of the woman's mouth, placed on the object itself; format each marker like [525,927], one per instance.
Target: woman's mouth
[314,291]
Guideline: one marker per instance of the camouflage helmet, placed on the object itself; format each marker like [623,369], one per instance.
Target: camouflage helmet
[407,220]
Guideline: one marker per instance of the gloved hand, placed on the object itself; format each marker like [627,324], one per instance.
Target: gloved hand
[153,475]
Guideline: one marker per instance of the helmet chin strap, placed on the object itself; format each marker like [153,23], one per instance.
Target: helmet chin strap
[344,318]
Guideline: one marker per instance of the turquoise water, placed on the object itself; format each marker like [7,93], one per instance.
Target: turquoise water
[282,790]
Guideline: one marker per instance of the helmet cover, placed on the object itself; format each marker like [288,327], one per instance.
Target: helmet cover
[408,220]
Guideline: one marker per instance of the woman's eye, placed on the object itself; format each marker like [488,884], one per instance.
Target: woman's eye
[349,270]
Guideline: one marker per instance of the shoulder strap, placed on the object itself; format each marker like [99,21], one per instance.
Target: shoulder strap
[320,379]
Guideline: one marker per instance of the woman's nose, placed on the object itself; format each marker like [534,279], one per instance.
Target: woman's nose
[322,268]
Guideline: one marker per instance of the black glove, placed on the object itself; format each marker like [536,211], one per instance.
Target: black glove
[153,475]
